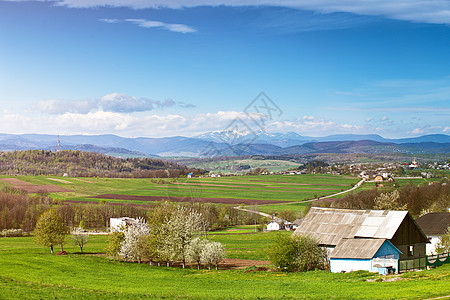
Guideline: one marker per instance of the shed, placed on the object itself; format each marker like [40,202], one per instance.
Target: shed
[120,223]
[275,225]
[373,255]
[434,225]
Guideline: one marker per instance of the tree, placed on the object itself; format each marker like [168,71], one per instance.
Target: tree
[132,245]
[212,254]
[181,227]
[194,250]
[389,201]
[115,239]
[296,253]
[50,230]
[288,215]
[80,237]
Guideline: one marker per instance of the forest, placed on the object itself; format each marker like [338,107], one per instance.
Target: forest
[87,164]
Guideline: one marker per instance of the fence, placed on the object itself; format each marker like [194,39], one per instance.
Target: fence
[423,262]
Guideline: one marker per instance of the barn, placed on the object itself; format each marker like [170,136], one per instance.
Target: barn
[341,230]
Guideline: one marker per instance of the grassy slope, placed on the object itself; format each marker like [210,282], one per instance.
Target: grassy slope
[31,272]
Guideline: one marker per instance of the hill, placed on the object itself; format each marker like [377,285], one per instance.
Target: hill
[85,164]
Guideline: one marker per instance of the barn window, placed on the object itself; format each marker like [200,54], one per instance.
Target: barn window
[411,250]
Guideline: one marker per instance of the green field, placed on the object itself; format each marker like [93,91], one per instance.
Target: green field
[270,187]
[30,272]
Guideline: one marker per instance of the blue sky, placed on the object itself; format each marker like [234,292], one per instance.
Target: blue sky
[164,68]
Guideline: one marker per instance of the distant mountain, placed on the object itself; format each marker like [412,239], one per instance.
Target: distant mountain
[229,143]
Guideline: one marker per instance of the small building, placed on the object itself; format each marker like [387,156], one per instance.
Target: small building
[121,223]
[276,224]
[373,255]
[434,225]
[296,223]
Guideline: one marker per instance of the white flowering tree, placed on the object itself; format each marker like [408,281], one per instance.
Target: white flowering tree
[80,237]
[132,247]
[389,201]
[213,253]
[194,250]
[182,226]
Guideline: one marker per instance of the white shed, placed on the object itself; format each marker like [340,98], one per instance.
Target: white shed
[120,223]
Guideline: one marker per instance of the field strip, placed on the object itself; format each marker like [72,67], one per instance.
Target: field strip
[186,199]
[82,180]
[59,180]
[16,182]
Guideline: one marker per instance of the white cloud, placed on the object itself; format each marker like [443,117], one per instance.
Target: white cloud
[446,129]
[437,11]
[310,125]
[387,121]
[157,24]
[113,102]
[61,106]
[112,21]
[427,129]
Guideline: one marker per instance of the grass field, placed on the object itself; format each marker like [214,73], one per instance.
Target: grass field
[30,272]
[254,188]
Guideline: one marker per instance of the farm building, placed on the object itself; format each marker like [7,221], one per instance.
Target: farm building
[330,226]
[373,255]
[434,225]
[120,223]
[279,224]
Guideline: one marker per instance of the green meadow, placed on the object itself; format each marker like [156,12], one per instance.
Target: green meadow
[31,272]
[270,187]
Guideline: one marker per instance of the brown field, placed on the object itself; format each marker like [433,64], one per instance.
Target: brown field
[31,188]
[186,199]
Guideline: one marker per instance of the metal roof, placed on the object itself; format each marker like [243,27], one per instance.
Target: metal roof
[331,225]
[362,248]
[434,223]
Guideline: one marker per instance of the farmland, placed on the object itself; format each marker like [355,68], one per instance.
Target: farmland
[249,190]
[31,272]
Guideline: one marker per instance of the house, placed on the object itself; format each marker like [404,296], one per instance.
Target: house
[120,223]
[434,225]
[378,178]
[296,223]
[330,226]
[373,255]
[279,224]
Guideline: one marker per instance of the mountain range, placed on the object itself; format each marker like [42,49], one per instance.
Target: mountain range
[229,143]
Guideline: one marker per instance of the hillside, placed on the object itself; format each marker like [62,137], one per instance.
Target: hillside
[85,164]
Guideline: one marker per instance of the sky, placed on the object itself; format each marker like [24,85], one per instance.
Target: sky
[153,68]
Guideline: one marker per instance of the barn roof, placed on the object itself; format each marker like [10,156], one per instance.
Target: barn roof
[330,225]
[357,248]
[434,223]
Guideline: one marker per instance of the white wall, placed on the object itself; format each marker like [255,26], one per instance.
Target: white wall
[349,265]
[431,248]
[273,226]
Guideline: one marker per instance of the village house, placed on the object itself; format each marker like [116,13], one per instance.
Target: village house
[364,239]
[434,225]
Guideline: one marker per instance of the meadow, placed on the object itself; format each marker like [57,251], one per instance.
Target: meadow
[271,188]
[31,272]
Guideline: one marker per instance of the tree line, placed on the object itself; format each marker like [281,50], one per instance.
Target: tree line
[19,210]
[87,164]
[416,199]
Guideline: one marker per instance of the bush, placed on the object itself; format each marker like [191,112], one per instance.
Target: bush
[297,253]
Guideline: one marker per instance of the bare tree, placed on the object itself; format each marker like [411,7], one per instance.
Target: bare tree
[80,237]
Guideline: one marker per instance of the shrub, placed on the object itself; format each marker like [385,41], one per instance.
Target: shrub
[297,253]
